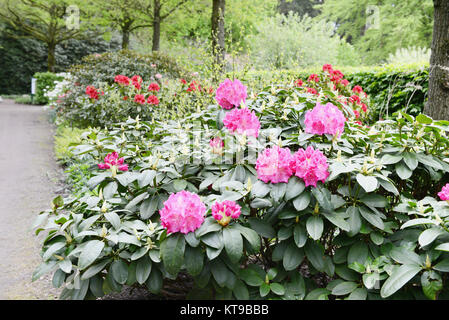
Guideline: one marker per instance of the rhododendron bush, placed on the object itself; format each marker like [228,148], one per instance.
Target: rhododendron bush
[284,194]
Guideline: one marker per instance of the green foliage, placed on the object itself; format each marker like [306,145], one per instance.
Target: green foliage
[291,41]
[65,137]
[410,55]
[376,29]
[45,81]
[373,230]
[96,68]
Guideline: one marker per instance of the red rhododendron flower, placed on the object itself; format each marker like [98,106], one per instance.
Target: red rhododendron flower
[137,80]
[125,98]
[299,83]
[357,89]
[314,77]
[312,90]
[92,92]
[193,86]
[183,81]
[356,113]
[153,87]
[139,98]
[344,82]
[338,74]
[121,79]
[153,100]
[327,67]
[364,107]
[355,99]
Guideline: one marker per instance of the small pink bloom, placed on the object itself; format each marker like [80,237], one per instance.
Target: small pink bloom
[356,113]
[242,121]
[344,82]
[444,193]
[112,160]
[217,145]
[364,107]
[153,65]
[158,76]
[224,211]
[311,166]
[231,94]
[182,212]
[312,90]
[325,119]
[274,165]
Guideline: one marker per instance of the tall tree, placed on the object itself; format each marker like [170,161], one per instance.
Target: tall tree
[438,104]
[218,32]
[44,20]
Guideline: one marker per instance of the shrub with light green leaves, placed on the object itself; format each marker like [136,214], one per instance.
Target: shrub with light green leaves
[373,229]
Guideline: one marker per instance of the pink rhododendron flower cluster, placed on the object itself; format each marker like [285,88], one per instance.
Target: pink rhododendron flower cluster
[231,94]
[275,165]
[111,160]
[217,145]
[325,119]
[139,98]
[224,211]
[444,193]
[182,212]
[311,166]
[242,121]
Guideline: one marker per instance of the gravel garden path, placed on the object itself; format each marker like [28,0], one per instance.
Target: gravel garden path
[29,179]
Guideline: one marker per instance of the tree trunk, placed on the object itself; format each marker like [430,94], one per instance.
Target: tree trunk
[51,59]
[125,38]
[156,25]
[218,32]
[437,106]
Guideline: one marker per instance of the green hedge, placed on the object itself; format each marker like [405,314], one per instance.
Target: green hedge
[45,81]
[390,87]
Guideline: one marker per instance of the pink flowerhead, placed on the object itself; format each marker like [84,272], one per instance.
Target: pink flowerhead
[193,86]
[121,79]
[231,94]
[242,121]
[444,193]
[153,65]
[344,82]
[153,100]
[112,161]
[275,165]
[217,145]
[325,119]
[182,212]
[337,74]
[153,87]
[355,99]
[139,98]
[364,107]
[224,211]
[311,166]
[158,76]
